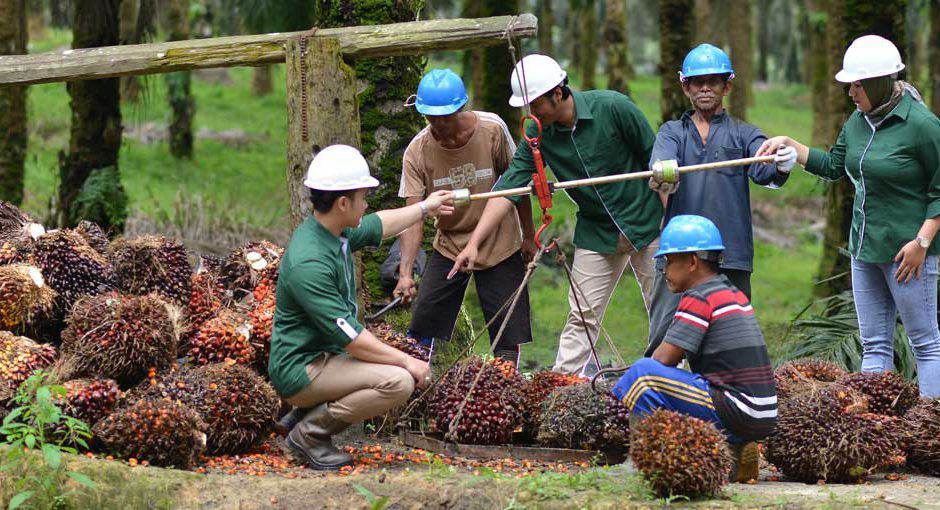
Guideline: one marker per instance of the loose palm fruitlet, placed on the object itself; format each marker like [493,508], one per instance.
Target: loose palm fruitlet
[15,225]
[225,336]
[888,392]
[94,235]
[492,410]
[680,455]
[20,357]
[922,424]
[577,417]
[160,431]
[796,375]
[90,400]
[24,296]
[537,390]
[72,267]
[234,402]
[828,435]
[246,266]
[121,337]
[153,264]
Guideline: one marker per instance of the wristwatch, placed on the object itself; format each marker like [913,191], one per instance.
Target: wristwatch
[923,242]
[424,209]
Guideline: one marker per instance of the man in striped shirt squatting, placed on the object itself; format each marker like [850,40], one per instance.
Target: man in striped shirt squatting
[731,383]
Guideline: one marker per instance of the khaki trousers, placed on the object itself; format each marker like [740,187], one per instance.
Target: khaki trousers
[597,275]
[357,389]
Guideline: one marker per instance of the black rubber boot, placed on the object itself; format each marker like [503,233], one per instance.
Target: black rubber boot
[289,420]
[311,440]
[746,462]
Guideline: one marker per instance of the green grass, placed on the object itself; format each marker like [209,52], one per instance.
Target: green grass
[248,184]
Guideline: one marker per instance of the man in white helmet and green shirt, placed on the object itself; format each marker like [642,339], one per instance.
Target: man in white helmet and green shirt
[585,134]
[323,361]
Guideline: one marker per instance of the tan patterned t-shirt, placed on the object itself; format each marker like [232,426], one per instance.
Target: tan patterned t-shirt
[428,167]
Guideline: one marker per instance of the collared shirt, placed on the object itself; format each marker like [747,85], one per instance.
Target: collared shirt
[610,136]
[722,195]
[894,169]
[316,299]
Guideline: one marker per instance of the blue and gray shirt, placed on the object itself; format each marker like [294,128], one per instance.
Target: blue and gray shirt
[722,195]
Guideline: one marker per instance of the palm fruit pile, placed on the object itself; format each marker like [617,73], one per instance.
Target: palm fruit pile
[922,424]
[680,455]
[794,376]
[245,267]
[94,235]
[577,417]
[205,301]
[71,267]
[261,317]
[536,391]
[888,392]
[225,336]
[20,357]
[235,403]
[406,344]
[16,226]
[24,296]
[90,400]
[153,264]
[160,431]
[121,337]
[492,409]
[829,435]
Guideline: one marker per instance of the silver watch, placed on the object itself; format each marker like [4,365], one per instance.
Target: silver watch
[424,209]
[923,242]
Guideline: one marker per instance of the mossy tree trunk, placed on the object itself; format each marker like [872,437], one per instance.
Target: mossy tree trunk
[617,46]
[764,20]
[589,43]
[13,133]
[60,13]
[846,21]
[742,56]
[546,25]
[182,104]
[492,94]
[818,62]
[90,186]
[676,32]
[711,22]
[261,82]
[387,126]
[934,56]
[129,14]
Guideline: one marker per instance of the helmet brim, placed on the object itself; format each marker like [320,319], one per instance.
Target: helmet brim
[844,76]
[368,182]
[517,102]
[706,72]
[449,109]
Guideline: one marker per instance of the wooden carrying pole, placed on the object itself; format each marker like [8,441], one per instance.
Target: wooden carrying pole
[623,177]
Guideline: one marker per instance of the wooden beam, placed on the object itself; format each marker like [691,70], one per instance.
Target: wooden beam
[252,50]
[332,111]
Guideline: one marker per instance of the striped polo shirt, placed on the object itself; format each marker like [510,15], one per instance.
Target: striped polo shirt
[716,327]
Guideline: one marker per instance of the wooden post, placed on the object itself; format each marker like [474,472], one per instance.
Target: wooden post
[332,112]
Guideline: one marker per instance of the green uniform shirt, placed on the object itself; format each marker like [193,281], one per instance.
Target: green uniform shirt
[894,171]
[610,136]
[316,299]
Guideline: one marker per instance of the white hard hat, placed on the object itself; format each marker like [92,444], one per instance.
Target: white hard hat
[869,56]
[339,168]
[539,74]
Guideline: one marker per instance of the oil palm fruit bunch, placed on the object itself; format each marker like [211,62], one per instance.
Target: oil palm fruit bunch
[488,414]
[161,431]
[534,393]
[208,263]
[888,392]
[94,235]
[407,345]
[922,424]
[90,400]
[577,417]
[261,317]
[71,267]
[205,301]
[24,296]
[225,336]
[121,337]
[234,402]
[20,357]
[829,435]
[680,455]
[246,266]
[153,264]
[14,252]
[15,225]
[794,375]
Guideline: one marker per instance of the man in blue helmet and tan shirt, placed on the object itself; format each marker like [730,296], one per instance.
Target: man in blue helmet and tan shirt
[707,134]
[463,149]
[323,361]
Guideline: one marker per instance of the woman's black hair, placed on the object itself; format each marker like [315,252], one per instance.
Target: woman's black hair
[323,200]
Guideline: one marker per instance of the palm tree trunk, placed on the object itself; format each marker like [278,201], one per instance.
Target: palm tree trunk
[588,56]
[95,137]
[676,32]
[617,45]
[13,133]
[130,10]
[178,86]
[742,55]
[496,66]
[546,24]
[934,56]
[261,82]
[60,13]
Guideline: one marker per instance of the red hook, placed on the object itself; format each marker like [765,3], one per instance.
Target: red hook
[540,185]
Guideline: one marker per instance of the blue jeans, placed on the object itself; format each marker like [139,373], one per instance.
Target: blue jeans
[878,299]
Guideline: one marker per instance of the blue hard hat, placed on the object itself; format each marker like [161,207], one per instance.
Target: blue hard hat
[689,233]
[705,59]
[441,92]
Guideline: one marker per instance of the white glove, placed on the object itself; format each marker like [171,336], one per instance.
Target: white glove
[785,159]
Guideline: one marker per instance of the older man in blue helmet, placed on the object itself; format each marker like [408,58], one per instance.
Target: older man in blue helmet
[463,149]
[706,134]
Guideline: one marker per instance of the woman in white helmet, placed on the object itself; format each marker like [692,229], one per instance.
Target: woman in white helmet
[890,150]
[323,361]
